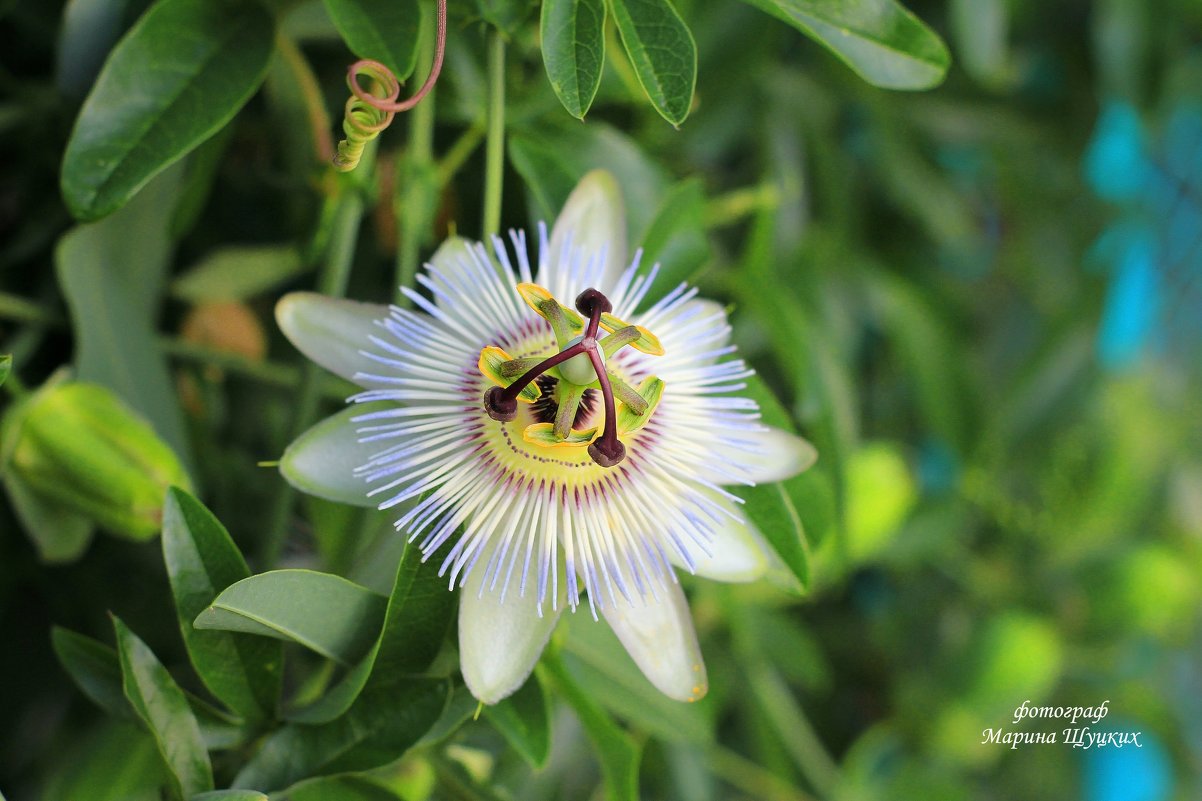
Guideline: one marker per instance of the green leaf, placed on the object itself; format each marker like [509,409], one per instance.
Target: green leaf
[238,273]
[811,492]
[230,795]
[94,668]
[241,671]
[162,706]
[881,492]
[461,706]
[676,238]
[617,751]
[323,612]
[420,608]
[87,34]
[524,719]
[980,28]
[880,40]
[553,159]
[178,76]
[383,30]
[299,116]
[351,787]
[382,724]
[573,44]
[116,762]
[505,15]
[113,292]
[662,51]
[771,509]
[784,511]
[6,366]
[930,354]
[200,174]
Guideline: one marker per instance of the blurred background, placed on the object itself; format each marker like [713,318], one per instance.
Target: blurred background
[983,304]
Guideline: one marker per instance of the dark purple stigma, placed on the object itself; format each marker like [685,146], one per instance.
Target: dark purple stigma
[502,404]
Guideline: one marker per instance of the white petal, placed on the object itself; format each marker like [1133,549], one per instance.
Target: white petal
[737,551]
[594,218]
[331,331]
[322,460]
[500,641]
[762,457]
[455,272]
[659,636]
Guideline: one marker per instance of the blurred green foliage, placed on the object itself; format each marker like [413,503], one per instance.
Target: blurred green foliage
[996,515]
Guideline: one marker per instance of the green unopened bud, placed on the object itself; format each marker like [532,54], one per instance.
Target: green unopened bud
[79,446]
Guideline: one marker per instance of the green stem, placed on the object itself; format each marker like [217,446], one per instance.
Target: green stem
[270,374]
[494,154]
[743,774]
[734,206]
[458,153]
[14,386]
[772,695]
[333,282]
[797,734]
[15,307]
[413,199]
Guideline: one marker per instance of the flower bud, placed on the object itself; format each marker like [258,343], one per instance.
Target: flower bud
[79,446]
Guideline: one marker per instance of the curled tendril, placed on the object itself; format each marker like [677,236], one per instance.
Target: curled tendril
[362,121]
[370,111]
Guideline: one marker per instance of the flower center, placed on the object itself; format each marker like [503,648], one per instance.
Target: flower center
[561,384]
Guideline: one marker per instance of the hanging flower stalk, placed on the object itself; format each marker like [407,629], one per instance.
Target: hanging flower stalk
[543,460]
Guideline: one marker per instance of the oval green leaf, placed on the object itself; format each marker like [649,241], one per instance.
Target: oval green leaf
[241,671]
[348,787]
[383,30]
[420,608]
[163,707]
[663,53]
[325,613]
[94,668]
[573,44]
[880,40]
[385,721]
[178,76]
[230,795]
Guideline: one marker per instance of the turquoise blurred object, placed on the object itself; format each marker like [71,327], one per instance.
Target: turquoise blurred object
[938,467]
[1115,163]
[1153,251]
[1128,773]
